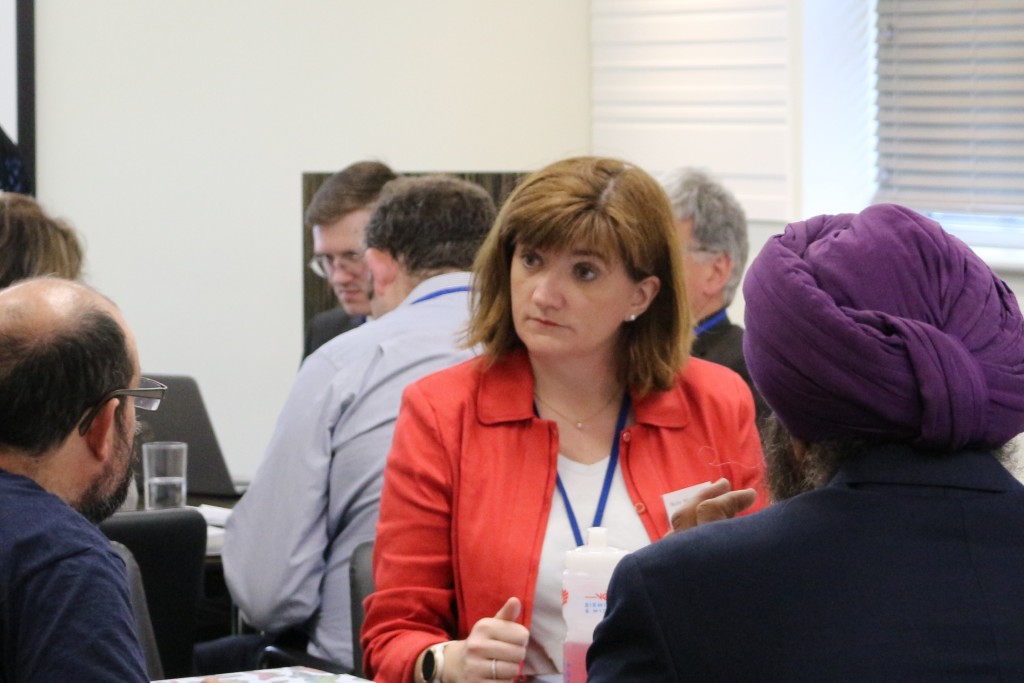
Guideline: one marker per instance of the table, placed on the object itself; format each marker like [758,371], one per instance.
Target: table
[306,675]
[284,675]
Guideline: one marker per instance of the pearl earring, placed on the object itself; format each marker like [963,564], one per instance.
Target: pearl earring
[631,318]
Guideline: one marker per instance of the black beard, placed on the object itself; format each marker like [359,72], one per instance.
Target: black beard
[95,506]
[787,475]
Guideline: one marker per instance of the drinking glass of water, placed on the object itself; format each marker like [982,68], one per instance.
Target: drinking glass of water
[164,464]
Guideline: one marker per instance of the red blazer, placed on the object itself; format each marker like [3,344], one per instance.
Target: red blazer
[469,483]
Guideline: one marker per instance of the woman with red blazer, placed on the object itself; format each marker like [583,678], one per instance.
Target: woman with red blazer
[583,410]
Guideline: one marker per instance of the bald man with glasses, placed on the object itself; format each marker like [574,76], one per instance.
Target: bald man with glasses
[69,389]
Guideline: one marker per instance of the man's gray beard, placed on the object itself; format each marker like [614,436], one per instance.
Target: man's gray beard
[95,506]
[787,475]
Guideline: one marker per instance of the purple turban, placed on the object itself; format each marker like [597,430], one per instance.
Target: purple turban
[882,325]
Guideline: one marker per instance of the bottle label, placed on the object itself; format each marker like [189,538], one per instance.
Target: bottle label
[595,604]
[575,662]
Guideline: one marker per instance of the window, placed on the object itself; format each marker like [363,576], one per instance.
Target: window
[950,123]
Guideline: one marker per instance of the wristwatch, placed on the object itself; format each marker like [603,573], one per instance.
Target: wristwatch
[433,663]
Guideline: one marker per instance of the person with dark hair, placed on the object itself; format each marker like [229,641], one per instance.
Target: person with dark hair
[580,307]
[337,216]
[69,387]
[316,493]
[713,232]
[32,243]
[892,358]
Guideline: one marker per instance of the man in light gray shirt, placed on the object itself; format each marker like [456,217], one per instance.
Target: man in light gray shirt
[316,494]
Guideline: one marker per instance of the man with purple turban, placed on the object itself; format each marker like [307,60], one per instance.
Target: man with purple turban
[893,359]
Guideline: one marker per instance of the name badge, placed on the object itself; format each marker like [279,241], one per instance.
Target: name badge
[674,500]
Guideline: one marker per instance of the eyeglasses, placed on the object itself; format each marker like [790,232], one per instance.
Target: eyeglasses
[324,264]
[703,250]
[147,396]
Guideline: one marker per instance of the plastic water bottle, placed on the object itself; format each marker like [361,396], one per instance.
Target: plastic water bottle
[585,597]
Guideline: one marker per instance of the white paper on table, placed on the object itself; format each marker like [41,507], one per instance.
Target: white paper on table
[214,539]
[214,515]
[674,500]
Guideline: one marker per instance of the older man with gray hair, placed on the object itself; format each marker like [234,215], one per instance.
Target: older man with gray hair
[713,232]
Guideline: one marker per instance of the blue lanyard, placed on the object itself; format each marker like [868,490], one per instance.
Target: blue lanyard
[710,322]
[440,292]
[613,460]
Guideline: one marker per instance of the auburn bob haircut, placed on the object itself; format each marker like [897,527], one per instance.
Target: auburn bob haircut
[617,211]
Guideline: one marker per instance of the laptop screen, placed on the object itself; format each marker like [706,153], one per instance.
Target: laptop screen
[182,416]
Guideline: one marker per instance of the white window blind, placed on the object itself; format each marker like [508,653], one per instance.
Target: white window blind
[703,83]
[951,105]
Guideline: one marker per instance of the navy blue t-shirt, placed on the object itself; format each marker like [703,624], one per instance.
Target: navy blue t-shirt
[64,610]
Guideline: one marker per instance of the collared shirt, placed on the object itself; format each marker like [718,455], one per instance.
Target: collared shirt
[315,496]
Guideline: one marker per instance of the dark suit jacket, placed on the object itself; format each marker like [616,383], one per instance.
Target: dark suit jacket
[326,326]
[723,344]
[905,567]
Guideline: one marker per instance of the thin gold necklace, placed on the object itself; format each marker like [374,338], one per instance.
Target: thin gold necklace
[579,423]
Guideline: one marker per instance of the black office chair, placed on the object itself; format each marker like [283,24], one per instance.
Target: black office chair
[360,581]
[287,649]
[143,625]
[169,547]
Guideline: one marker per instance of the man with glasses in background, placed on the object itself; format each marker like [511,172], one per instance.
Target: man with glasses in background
[69,387]
[337,215]
[713,232]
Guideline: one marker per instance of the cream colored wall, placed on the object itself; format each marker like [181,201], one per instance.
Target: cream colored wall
[8,70]
[174,135]
[758,232]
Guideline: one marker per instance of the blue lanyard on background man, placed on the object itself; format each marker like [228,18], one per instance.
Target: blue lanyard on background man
[709,323]
[440,292]
[613,460]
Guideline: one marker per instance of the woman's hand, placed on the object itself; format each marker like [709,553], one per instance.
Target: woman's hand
[494,650]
